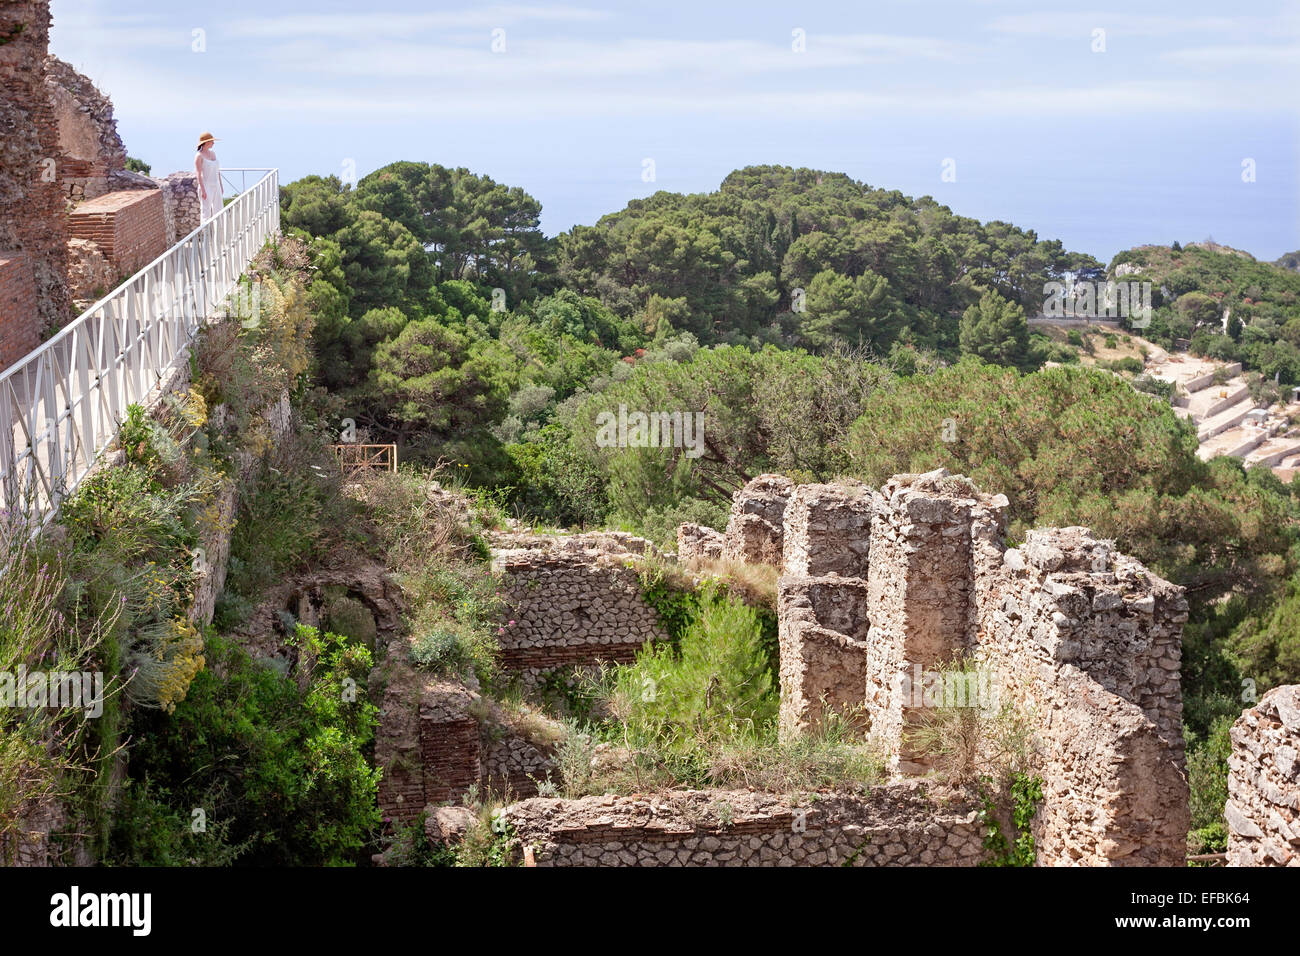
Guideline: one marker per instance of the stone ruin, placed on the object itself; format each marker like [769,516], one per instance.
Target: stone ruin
[895,824]
[74,221]
[93,156]
[572,601]
[33,224]
[1263,809]
[878,587]
[755,529]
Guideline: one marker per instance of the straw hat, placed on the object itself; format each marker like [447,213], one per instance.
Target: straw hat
[207,138]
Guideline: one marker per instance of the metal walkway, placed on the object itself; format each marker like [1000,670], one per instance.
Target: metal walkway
[64,403]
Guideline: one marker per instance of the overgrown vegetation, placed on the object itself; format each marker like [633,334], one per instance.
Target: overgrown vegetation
[701,711]
[820,327]
[440,563]
[252,769]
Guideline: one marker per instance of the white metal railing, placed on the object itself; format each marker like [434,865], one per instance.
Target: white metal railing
[245,176]
[63,404]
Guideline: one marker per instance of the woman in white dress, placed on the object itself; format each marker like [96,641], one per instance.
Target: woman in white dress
[208,171]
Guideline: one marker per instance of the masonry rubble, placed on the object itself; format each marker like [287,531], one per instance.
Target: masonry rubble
[896,824]
[1263,808]
[572,600]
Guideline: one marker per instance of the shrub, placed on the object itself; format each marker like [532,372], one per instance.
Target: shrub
[716,685]
[43,749]
[282,767]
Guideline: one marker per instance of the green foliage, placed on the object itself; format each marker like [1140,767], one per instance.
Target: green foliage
[1204,280]
[874,263]
[292,510]
[456,607]
[409,845]
[715,685]
[1266,646]
[42,628]
[436,378]
[1026,793]
[1207,775]
[678,607]
[995,331]
[488,842]
[279,772]
[772,410]
[859,311]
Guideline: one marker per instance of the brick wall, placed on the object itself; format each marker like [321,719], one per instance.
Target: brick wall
[129,227]
[19,334]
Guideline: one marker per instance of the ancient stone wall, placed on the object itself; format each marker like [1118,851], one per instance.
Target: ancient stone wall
[755,528]
[827,530]
[92,152]
[571,601]
[90,275]
[890,825]
[33,221]
[695,542]
[1087,644]
[822,628]
[918,586]
[181,209]
[1263,809]
[439,739]
[882,588]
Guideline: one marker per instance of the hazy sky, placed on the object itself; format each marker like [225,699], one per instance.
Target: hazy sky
[1137,133]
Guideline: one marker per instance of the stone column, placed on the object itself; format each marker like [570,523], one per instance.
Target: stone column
[920,604]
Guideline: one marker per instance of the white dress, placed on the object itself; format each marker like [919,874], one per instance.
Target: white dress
[211,204]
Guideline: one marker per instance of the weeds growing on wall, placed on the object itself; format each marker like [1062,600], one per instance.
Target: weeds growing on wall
[969,736]
[134,531]
[1026,793]
[292,510]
